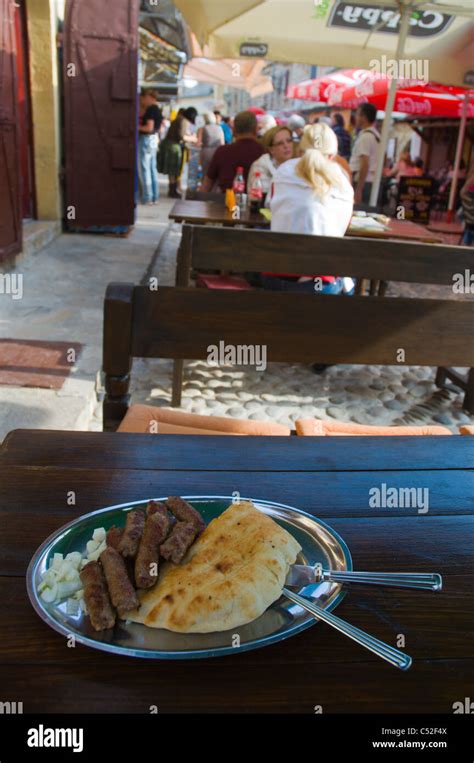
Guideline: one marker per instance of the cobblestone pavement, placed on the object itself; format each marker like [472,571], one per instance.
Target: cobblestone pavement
[384,395]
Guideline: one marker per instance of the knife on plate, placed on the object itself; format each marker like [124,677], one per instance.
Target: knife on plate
[301,575]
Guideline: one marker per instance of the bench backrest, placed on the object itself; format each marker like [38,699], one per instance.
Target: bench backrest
[184,323]
[241,250]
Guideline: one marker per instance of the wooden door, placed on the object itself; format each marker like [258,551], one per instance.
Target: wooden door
[100,111]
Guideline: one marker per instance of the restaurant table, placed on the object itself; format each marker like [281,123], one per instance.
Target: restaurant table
[204,212]
[329,477]
[401,230]
[454,230]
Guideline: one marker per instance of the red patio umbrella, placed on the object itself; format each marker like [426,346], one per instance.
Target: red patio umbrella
[316,89]
[350,87]
[412,96]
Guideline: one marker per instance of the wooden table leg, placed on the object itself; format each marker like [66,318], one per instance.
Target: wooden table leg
[177,388]
[374,287]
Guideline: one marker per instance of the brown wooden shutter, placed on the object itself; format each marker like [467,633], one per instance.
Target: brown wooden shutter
[100,108]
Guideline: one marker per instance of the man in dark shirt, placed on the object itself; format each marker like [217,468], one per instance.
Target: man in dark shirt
[150,123]
[343,137]
[242,153]
[152,116]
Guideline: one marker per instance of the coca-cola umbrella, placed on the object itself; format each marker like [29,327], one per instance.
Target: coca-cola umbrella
[320,89]
[348,88]
[411,97]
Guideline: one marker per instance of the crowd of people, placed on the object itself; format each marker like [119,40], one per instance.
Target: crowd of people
[310,175]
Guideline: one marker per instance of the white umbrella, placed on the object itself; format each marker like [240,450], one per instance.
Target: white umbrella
[246,75]
[342,34]
[336,32]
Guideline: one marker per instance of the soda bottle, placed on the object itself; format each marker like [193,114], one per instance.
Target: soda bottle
[238,186]
[256,194]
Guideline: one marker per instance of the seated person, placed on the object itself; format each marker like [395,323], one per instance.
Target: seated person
[312,195]
[404,167]
[278,143]
[242,153]
[419,167]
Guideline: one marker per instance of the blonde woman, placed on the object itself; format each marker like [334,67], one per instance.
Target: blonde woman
[313,195]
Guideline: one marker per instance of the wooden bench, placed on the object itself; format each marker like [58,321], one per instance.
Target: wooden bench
[182,323]
[249,250]
[241,251]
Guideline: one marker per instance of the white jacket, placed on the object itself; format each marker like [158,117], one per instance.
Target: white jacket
[296,208]
[264,165]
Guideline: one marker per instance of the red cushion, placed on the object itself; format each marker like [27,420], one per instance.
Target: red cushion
[235,283]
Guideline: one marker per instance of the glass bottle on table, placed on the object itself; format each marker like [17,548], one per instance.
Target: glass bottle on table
[256,194]
[238,186]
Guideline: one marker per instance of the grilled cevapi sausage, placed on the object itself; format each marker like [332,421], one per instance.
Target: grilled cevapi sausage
[96,597]
[113,537]
[157,527]
[132,533]
[185,513]
[178,542]
[122,593]
[154,506]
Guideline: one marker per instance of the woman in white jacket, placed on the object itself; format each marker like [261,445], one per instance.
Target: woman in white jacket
[312,195]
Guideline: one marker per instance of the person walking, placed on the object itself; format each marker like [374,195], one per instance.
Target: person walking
[171,154]
[343,137]
[148,129]
[364,153]
[210,137]
[224,123]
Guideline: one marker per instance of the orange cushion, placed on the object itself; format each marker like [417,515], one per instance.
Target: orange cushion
[467,429]
[148,418]
[318,428]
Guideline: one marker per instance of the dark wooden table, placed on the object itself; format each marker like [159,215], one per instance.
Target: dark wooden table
[204,212]
[329,477]
[401,230]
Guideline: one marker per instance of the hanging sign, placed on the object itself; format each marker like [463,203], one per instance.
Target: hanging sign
[253,49]
[423,23]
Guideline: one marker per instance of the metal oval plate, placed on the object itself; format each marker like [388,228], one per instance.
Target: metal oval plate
[282,619]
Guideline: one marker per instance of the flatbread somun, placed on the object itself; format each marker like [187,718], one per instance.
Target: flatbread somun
[229,577]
